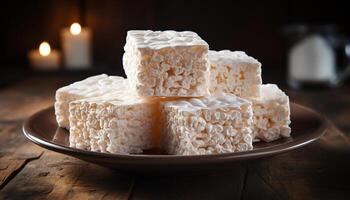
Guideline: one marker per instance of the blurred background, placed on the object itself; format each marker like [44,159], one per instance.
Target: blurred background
[256,27]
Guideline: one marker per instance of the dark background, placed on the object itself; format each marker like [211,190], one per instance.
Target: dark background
[251,26]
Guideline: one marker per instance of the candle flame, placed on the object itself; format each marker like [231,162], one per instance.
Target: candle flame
[75,28]
[44,49]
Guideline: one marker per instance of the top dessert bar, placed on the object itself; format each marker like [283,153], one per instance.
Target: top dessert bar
[166,63]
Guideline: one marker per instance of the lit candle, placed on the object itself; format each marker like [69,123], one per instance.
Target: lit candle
[76,45]
[44,58]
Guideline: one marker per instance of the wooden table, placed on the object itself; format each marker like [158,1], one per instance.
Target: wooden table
[320,170]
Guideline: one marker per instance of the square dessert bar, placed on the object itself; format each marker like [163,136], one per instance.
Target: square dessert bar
[115,125]
[271,114]
[94,86]
[234,72]
[166,63]
[208,125]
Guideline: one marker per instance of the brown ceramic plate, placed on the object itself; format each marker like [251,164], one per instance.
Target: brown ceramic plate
[42,129]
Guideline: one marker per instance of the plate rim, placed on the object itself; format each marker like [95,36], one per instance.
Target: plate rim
[177,159]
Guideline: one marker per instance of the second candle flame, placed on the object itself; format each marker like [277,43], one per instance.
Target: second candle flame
[75,28]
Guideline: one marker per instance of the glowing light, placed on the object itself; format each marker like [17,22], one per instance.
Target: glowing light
[44,49]
[75,29]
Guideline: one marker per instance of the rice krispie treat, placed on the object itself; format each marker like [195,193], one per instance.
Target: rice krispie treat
[208,125]
[94,86]
[271,114]
[115,125]
[234,72]
[166,63]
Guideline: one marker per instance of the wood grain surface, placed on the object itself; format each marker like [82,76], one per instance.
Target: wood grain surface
[318,171]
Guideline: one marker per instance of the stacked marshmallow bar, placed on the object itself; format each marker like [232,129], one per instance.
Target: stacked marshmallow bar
[234,72]
[271,114]
[94,86]
[112,124]
[166,63]
[212,124]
